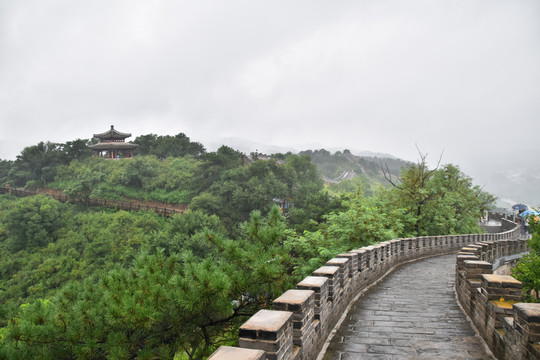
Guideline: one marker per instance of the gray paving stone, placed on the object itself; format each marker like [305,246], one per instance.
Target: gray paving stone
[367,340]
[412,314]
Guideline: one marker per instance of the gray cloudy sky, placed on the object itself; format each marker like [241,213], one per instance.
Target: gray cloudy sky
[460,76]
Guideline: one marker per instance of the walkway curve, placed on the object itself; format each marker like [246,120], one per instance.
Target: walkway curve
[411,314]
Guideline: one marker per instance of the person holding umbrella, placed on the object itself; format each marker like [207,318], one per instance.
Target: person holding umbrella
[526,215]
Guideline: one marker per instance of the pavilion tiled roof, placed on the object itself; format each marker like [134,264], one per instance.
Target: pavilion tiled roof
[112,134]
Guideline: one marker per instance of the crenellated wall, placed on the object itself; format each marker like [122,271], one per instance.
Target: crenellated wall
[511,329]
[303,318]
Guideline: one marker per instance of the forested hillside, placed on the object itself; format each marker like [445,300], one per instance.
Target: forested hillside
[333,165]
[344,172]
[82,282]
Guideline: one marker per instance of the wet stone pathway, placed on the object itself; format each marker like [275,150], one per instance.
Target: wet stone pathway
[412,314]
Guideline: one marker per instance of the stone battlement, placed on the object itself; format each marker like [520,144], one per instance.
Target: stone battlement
[511,329]
[303,319]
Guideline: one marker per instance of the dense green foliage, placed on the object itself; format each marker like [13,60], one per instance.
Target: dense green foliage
[168,146]
[161,305]
[143,177]
[36,165]
[527,269]
[90,283]
[44,244]
[34,222]
[438,201]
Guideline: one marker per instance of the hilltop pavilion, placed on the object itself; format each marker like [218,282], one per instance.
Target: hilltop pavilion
[112,145]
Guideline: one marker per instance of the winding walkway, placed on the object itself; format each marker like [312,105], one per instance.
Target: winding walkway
[412,314]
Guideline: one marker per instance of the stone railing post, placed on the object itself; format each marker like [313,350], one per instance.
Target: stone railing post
[270,331]
[374,260]
[527,323]
[369,257]
[494,302]
[302,304]
[503,247]
[473,269]
[383,256]
[319,285]
[489,254]
[362,265]
[345,266]
[354,274]
[333,273]
[396,246]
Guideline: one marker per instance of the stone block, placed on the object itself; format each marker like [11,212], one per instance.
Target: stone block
[361,259]
[368,258]
[496,311]
[344,264]
[384,251]
[527,321]
[473,249]
[353,258]
[270,331]
[483,250]
[414,246]
[296,301]
[235,353]
[395,246]
[266,325]
[301,303]
[319,285]
[461,240]
[461,257]
[474,268]
[501,286]
[333,273]
[372,257]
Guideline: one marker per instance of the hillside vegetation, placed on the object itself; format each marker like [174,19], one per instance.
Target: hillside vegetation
[94,283]
[344,172]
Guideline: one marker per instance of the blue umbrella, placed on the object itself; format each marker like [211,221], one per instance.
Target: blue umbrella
[529,213]
[520,207]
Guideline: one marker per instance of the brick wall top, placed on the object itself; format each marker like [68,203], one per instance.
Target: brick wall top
[310,282]
[265,324]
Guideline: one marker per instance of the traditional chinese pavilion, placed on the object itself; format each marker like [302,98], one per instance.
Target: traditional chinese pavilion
[112,145]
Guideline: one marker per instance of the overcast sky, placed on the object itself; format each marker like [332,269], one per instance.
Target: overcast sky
[458,76]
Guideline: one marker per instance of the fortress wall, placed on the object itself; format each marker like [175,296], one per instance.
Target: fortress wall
[303,318]
[511,329]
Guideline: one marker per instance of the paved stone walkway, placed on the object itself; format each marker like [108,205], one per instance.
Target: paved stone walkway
[412,314]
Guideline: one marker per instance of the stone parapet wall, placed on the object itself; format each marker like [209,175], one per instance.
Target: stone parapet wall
[303,319]
[507,224]
[511,329]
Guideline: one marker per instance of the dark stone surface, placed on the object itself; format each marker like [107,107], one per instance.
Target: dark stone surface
[412,314]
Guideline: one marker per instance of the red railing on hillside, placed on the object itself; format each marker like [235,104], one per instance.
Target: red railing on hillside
[119,205]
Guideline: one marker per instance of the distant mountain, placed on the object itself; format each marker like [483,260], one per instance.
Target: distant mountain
[372,154]
[513,179]
[334,164]
[343,165]
[248,146]
[518,185]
